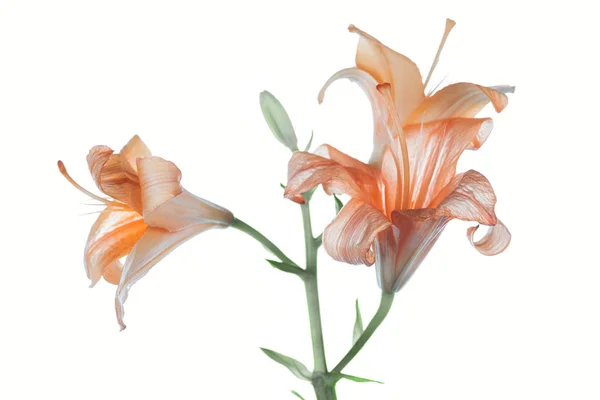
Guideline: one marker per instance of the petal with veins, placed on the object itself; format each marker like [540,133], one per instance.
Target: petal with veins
[341,174]
[459,100]
[381,132]
[159,181]
[112,236]
[185,210]
[385,65]
[495,241]
[167,205]
[153,246]
[351,234]
[401,248]
[113,176]
[434,150]
[469,197]
[133,150]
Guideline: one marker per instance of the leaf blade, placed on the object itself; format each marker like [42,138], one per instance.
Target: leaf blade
[290,269]
[358,325]
[359,379]
[295,366]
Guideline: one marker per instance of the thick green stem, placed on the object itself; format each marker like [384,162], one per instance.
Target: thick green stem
[312,293]
[384,307]
[244,227]
[324,390]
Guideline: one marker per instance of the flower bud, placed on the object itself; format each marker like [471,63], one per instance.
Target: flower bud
[278,120]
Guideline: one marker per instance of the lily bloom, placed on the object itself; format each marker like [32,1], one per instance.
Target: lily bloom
[402,200]
[147,216]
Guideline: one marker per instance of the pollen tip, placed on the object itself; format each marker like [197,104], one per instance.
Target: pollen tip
[450,23]
[352,28]
[61,167]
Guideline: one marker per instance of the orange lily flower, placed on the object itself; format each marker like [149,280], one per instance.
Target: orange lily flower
[402,200]
[149,215]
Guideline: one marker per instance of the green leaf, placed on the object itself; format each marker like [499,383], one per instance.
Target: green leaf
[297,394]
[295,367]
[312,135]
[338,204]
[359,379]
[358,325]
[292,269]
[278,120]
[282,186]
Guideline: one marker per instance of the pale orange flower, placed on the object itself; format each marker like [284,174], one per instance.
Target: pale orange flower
[149,215]
[402,200]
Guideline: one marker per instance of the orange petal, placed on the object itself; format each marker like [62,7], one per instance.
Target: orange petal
[112,236]
[390,174]
[401,248]
[385,65]
[459,100]
[434,150]
[340,174]
[469,197]
[113,176]
[167,205]
[381,131]
[186,210]
[153,246]
[133,150]
[350,236]
[159,181]
[495,241]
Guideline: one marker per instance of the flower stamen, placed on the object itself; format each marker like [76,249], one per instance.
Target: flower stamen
[449,25]
[386,91]
[63,171]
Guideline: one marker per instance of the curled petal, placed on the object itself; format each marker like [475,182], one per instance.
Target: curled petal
[434,149]
[112,236]
[350,236]
[114,176]
[469,197]
[153,246]
[459,100]
[186,210]
[381,132]
[495,241]
[341,174]
[385,65]
[159,181]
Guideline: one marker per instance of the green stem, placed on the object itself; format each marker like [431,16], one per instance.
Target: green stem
[312,293]
[244,227]
[384,307]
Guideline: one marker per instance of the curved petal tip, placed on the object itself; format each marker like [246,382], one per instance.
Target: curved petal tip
[495,241]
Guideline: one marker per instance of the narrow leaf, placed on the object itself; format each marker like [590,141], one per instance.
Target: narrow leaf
[278,120]
[295,367]
[359,379]
[358,325]
[312,135]
[282,186]
[338,204]
[297,394]
[292,269]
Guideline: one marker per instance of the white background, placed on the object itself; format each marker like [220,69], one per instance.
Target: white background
[186,77]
